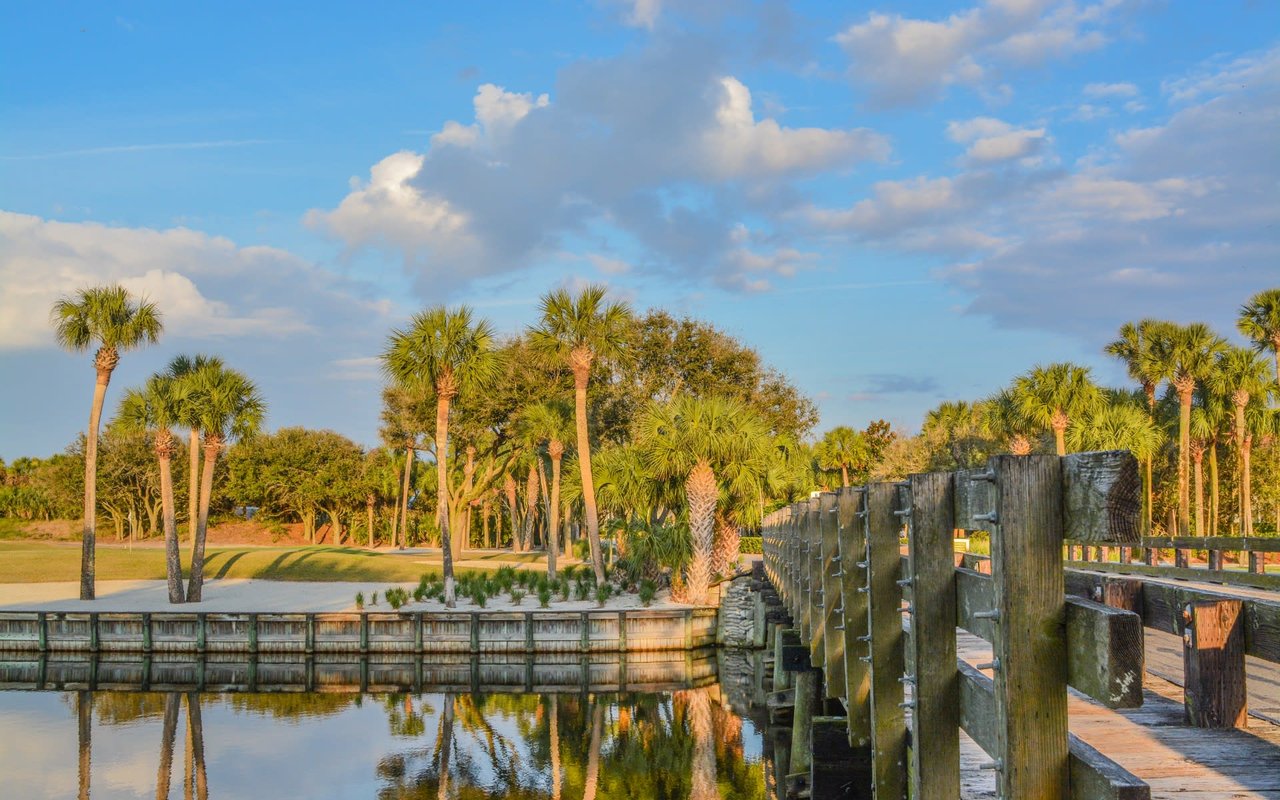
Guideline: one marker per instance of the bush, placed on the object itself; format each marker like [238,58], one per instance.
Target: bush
[544,596]
[581,590]
[359,600]
[602,593]
[479,598]
[564,588]
[373,601]
[517,596]
[647,590]
[396,597]
[750,545]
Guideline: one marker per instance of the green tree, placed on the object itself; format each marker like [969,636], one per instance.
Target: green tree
[445,352]
[1185,355]
[956,428]
[1136,347]
[227,407]
[1240,376]
[842,448]
[109,317]
[155,408]
[1054,395]
[581,330]
[1001,417]
[1260,321]
[179,369]
[550,422]
[700,441]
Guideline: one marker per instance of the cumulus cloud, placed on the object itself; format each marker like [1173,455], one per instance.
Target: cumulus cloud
[658,148]
[1122,90]
[991,140]
[205,286]
[902,60]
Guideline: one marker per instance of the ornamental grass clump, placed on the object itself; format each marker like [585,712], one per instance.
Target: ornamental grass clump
[517,596]
[647,590]
[359,601]
[544,596]
[602,593]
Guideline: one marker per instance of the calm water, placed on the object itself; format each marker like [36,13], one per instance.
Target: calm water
[678,744]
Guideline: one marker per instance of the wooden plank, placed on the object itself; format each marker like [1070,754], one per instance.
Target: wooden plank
[1104,645]
[1101,497]
[852,521]
[973,497]
[1213,663]
[817,605]
[1030,649]
[832,599]
[935,719]
[1092,775]
[884,616]
[1232,543]
[1229,577]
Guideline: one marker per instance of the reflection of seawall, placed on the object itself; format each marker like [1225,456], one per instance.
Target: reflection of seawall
[605,672]
[631,630]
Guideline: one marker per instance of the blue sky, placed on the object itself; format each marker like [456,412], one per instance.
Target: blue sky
[896,203]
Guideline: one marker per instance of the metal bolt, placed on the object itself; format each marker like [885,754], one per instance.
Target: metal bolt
[866,638]
[997,765]
[993,614]
[904,582]
[860,514]
[865,658]
[992,518]
[862,565]
[864,589]
[988,475]
[903,512]
[835,559]
[993,664]
[908,704]
[907,679]
[838,627]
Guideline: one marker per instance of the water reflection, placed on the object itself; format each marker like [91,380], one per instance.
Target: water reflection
[684,743]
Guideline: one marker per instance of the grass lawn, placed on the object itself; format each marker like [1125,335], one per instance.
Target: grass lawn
[40,562]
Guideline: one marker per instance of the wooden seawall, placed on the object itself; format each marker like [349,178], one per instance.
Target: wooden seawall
[631,630]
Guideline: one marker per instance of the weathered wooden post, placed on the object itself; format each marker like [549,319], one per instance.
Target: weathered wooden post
[832,653]
[852,518]
[935,717]
[884,620]
[1213,664]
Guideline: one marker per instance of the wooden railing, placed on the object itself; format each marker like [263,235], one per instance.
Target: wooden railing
[1250,557]
[837,562]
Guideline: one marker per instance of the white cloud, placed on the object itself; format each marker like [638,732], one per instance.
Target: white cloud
[992,140]
[205,286]
[643,13]
[903,60]
[608,265]
[1098,90]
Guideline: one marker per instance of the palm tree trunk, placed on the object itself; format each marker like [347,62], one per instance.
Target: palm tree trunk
[553,535]
[404,496]
[164,773]
[446,742]
[1198,458]
[368,508]
[395,512]
[172,559]
[1214,521]
[530,509]
[1246,490]
[195,739]
[193,483]
[1148,496]
[84,731]
[1184,457]
[88,542]
[1241,400]
[442,495]
[701,490]
[584,464]
[844,474]
[212,443]
[1060,438]
[703,777]
[592,779]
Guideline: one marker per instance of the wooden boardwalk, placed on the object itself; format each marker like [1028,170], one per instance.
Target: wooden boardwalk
[1154,742]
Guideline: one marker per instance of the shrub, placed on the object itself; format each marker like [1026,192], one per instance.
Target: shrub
[373,601]
[517,596]
[544,596]
[750,545]
[359,600]
[480,598]
[396,597]
[580,590]
[602,593]
[564,588]
[647,590]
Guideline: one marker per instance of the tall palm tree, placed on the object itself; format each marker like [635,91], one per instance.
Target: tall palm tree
[1240,375]
[1054,395]
[227,406]
[1001,418]
[168,733]
[156,407]
[698,441]
[84,731]
[703,763]
[1135,346]
[445,352]
[550,422]
[109,317]
[1260,321]
[580,330]
[179,368]
[1185,355]
[841,448]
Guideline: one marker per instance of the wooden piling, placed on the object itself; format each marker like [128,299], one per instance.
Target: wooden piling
[1213,664]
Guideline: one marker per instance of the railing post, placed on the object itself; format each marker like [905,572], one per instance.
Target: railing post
[852,518]
[831,648]
[884,619]
[1030,663]
[1213,664]
[935,717]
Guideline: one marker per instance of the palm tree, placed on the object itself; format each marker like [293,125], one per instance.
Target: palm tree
[957,424]
[179,368]
[581,330]
[1136,347]
[1001,418]
[1054,395]
[168,733]
[1260,321]
[445,352]
[1240,375]
[109,317]
[549,421]
[692,439]
[841,448]
[227,406]
[156,407]
[1185,355]
[84,731]
[701,725]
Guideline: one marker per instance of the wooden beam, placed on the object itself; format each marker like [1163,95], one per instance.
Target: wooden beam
[1105,657]
[832,597]
[1093,776]
[1101,497]
[1213,664]
[852,521]
[817,630]
[884,616]
[837,770]
[935,718]
[1224,576]
[1030,649]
